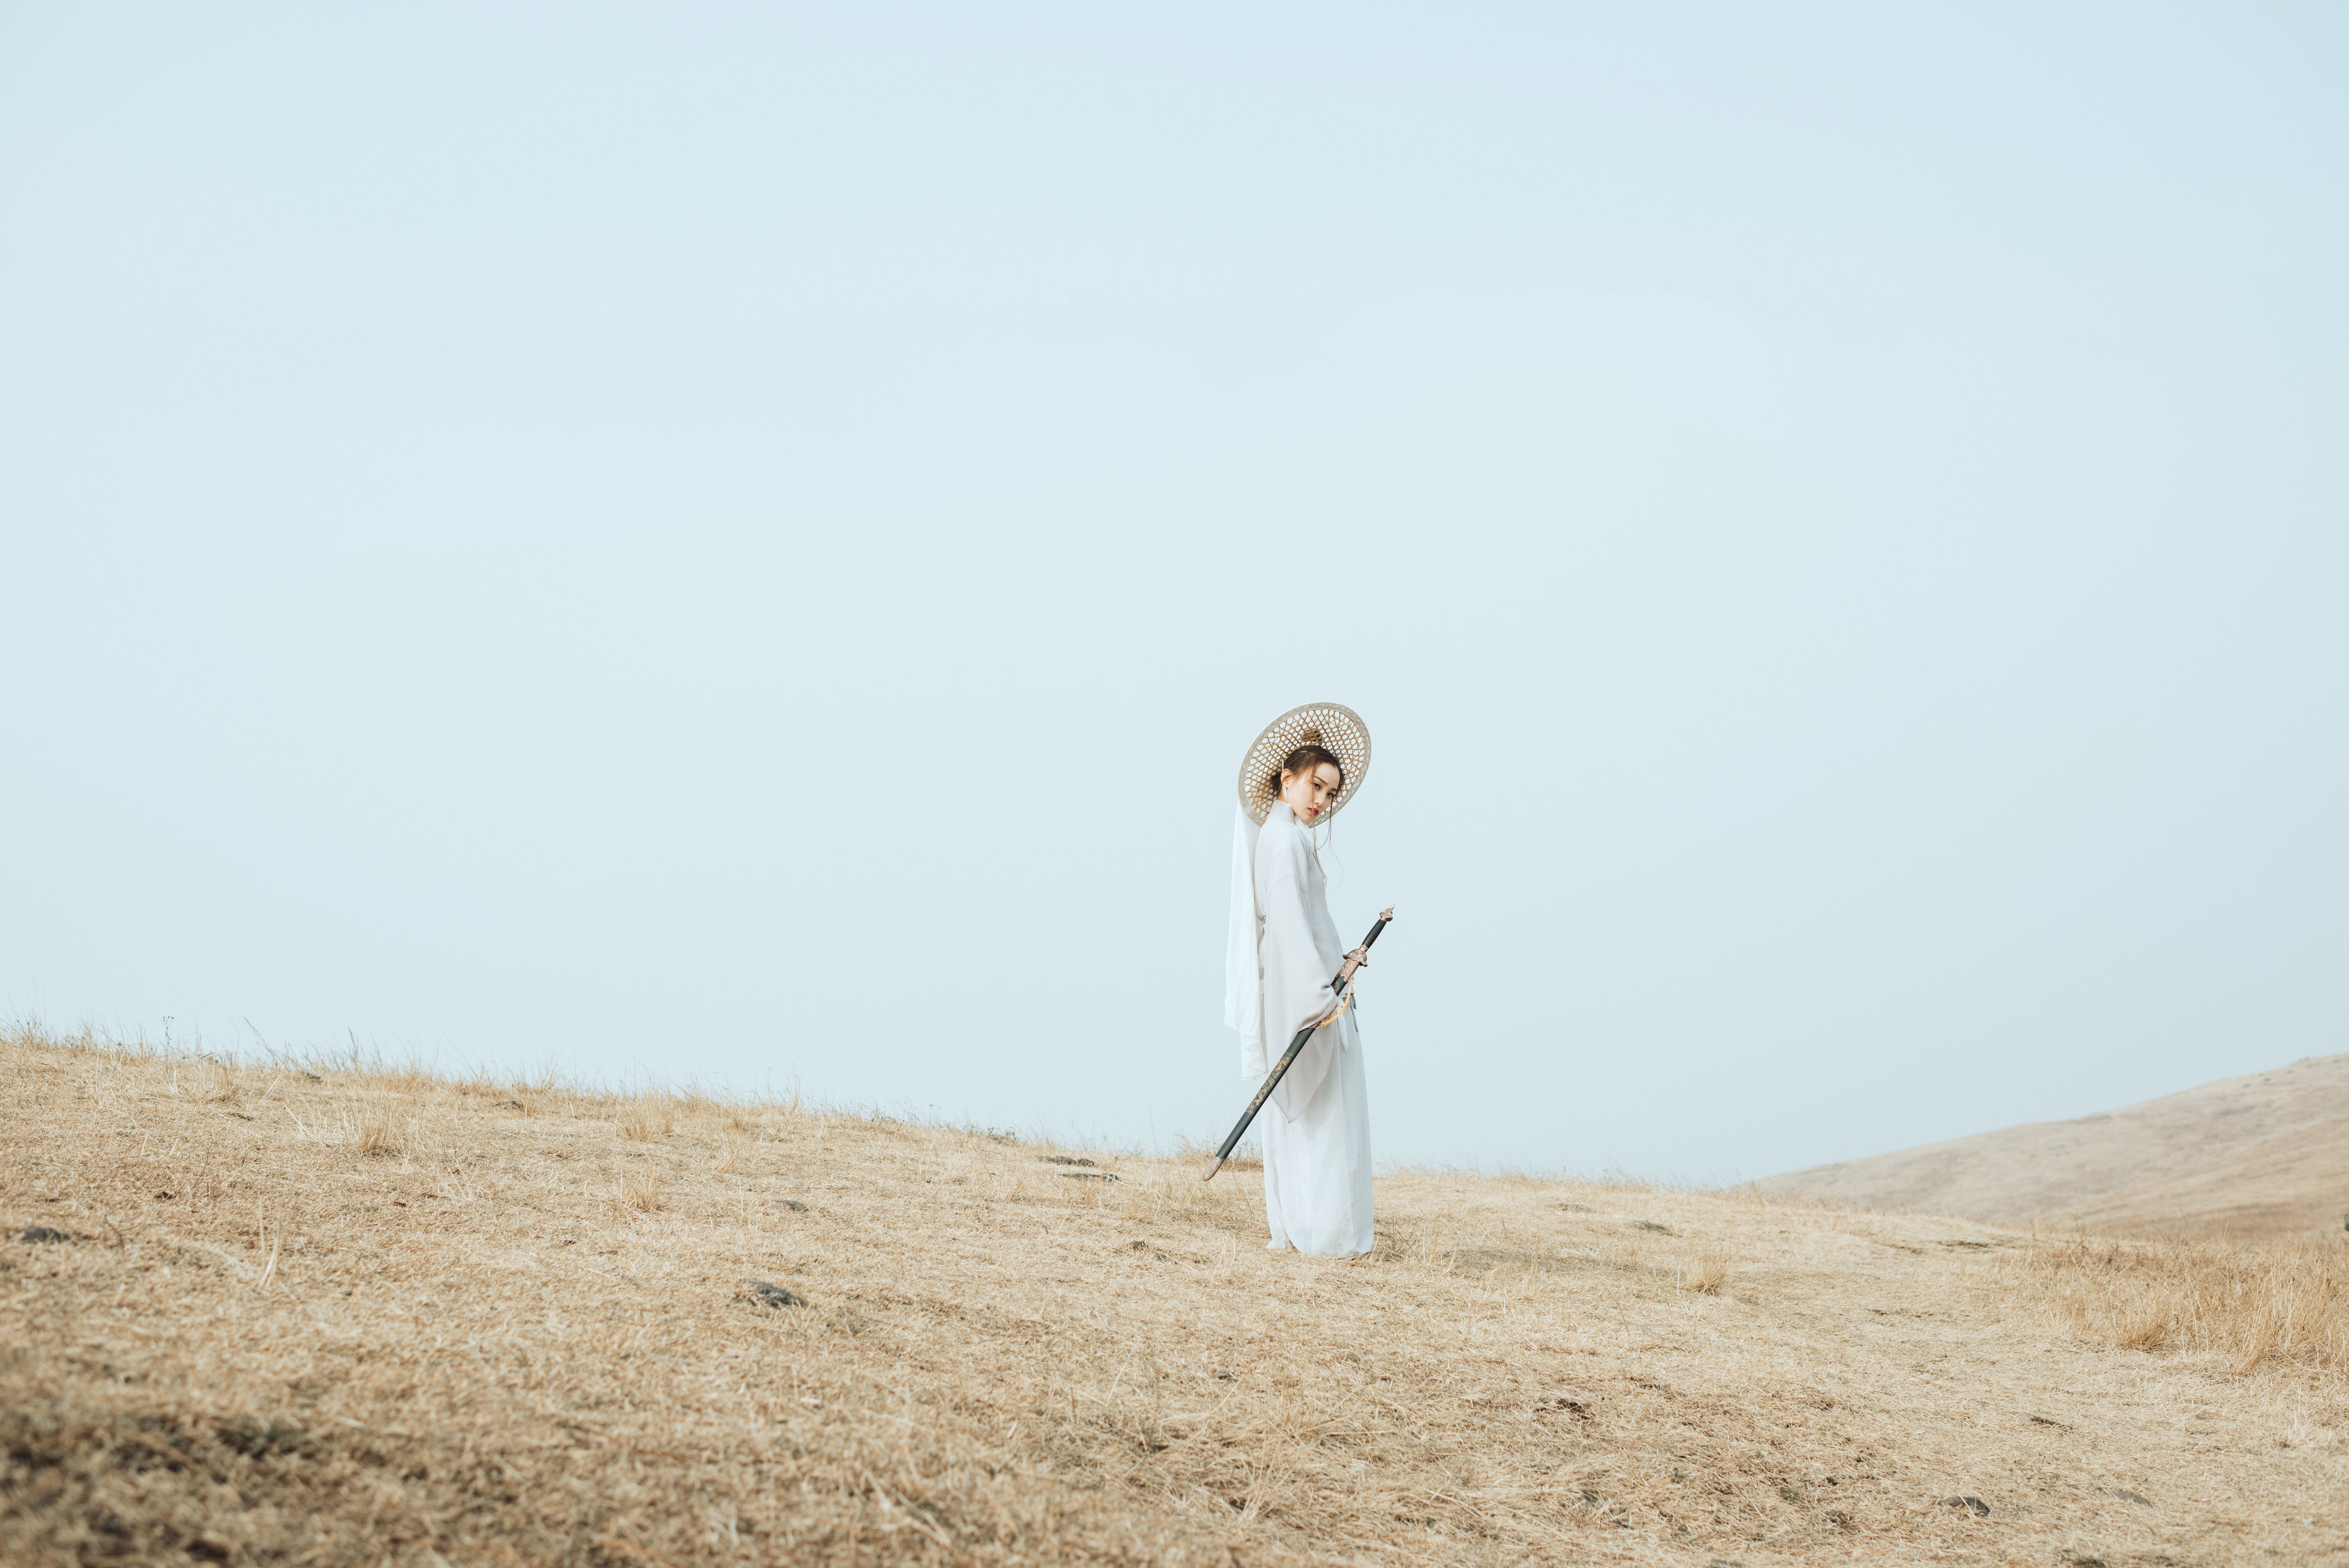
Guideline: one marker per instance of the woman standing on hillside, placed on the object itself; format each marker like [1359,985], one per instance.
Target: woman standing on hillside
[1280,957]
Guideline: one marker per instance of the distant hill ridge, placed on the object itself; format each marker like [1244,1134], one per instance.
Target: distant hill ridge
[2265,1154]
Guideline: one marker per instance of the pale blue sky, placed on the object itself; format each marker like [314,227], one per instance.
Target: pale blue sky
[744,544]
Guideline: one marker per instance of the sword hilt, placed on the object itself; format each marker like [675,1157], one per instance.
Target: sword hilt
[1360,956]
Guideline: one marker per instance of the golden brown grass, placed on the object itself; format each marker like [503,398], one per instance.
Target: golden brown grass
[2252,1304]
[647,1121]
[374,1129]
[638,1191]
[1707,1272]
[276,1342]
[221,1085]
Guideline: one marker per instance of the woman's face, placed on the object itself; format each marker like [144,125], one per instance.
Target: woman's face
[1308,793]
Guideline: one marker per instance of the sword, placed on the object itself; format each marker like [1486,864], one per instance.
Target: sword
[1345,977]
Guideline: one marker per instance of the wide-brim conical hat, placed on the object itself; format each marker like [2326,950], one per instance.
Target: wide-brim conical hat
[1331,725]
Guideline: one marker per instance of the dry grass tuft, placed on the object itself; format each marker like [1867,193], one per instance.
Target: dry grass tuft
[221,1084]
[523,1340]
[2148,1328]
[2253,1304]
[375,1130]
[1707,1272]
[647,1121]
[638,1191]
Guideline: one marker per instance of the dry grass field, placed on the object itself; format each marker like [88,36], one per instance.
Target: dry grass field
[314,1314]
[2266,1153]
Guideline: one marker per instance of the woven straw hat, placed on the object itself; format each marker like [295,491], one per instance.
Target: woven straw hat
[1331,725]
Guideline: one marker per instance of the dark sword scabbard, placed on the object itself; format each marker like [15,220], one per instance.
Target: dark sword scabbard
[1338,983]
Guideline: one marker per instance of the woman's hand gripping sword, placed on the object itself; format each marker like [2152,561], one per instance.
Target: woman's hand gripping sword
[1345,978]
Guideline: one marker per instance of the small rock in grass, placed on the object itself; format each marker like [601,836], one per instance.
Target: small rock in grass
[1063,1160]
[2127,1496]
[1089,1175]
[1970,1504]
[793,1204]
[771,1295]
[43,1233]
[507,1105]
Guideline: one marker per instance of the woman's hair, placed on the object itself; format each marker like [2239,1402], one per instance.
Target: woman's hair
[1304,760]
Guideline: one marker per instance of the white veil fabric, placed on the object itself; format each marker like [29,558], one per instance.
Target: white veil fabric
[1243,982]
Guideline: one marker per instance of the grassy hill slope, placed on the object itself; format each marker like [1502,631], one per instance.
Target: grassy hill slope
[2263,1155]
[341,1317]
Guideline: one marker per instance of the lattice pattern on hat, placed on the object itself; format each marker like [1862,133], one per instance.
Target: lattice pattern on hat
[1331,725]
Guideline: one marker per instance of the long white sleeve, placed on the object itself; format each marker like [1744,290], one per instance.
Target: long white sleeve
[1298,955]
[1243,980]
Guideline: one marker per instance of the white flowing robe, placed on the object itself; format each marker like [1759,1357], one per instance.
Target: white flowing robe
[1317,1135]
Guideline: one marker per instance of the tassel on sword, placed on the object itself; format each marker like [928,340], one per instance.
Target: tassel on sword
[1338,986]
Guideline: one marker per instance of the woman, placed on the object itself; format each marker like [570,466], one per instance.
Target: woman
[1283,955]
